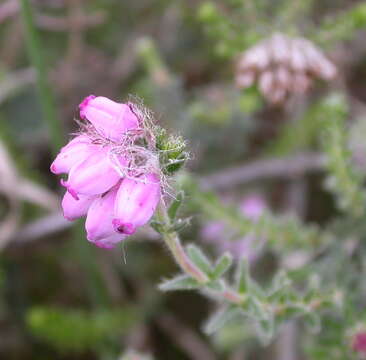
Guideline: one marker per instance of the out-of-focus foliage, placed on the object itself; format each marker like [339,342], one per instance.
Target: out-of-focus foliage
[78,330]
[344,180]
[60,298]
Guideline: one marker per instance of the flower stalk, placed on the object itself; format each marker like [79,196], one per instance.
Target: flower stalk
[172,240]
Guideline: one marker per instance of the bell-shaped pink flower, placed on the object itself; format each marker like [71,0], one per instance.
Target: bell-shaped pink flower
[74,209]
[93,176]
[77,150]
[111,119]
[135,203]
[99,227]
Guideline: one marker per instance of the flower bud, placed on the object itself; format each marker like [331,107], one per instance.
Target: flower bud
[111,119]
[135,203]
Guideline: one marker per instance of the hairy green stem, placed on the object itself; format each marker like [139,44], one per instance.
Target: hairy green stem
[37,60]
[172,240]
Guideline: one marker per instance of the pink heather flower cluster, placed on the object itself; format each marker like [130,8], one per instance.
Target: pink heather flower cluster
[214,232]
[359,343]
[105,181]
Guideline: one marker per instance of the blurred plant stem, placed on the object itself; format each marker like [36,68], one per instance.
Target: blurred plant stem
[153,62]
[37,60]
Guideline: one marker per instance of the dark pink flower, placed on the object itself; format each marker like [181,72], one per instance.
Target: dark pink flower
[359,342]
[98,223]
[106,183]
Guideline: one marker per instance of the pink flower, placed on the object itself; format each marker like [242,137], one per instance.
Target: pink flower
[99,184]
[111,119]
[98,225]
[74,209]
[77,150]
[359,342]
[136,202]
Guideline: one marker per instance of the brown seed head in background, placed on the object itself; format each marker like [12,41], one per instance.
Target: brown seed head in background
[281,66]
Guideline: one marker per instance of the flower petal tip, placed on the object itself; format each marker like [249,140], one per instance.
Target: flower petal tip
[103,246]
[53,169]
[84,104]
[71,191]
[123,228]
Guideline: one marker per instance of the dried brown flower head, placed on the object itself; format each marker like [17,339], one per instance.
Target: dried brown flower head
[282,65]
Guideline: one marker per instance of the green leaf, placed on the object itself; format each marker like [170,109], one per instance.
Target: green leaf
[255,308]
[180,282]
[312,322]
[263,318]
[265,329]
[216,285]
[199,258]
[175,205]
[292,310]
[242,277]
[158,226]
[180,224]
[77,330]
[279,282]
[219,319]
[222,265]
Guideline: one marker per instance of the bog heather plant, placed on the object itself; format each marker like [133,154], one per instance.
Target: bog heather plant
[119,168]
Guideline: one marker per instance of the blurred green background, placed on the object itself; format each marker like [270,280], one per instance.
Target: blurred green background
[62,298]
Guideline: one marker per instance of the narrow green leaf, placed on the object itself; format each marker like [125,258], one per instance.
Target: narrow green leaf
[255,308]
[242,276]
[217,285]
[312,322]
[293,310]
[219,319]
[180,224]
[180,282]
[222,265]
[175,205]
[199,258]
[157,226]
[279,282]
[265,329]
